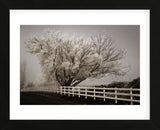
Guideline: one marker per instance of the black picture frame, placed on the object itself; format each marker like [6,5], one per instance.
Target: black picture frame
[153,123]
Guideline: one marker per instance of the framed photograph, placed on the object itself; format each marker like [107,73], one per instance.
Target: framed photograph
[79,64]
[65,64]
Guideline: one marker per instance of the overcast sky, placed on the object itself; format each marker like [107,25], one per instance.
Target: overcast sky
[125,37]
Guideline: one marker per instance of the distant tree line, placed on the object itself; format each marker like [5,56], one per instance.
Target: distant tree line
[135,83]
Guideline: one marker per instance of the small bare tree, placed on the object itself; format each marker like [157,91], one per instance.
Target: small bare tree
[22,74]
[69,61]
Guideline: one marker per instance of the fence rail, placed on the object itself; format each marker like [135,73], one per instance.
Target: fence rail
[122,94]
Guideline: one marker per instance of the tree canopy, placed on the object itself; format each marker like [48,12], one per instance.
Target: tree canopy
[70,60]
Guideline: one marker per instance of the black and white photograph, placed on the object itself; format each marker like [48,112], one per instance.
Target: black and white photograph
[80,65]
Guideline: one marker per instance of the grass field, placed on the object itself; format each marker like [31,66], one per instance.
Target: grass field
[45,98]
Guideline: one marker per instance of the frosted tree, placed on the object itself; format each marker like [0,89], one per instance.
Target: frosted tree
[71,60]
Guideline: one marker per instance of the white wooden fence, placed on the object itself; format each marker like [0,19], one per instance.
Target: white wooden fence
[122,94]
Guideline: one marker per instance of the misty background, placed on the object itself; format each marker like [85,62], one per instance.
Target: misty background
[125,37]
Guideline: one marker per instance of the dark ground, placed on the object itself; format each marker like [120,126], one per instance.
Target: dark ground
[44,98]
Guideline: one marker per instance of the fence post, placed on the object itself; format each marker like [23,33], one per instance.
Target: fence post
[131,96]
[61,90]
[116,95]
[104,99]
[68,91]
[73,91]
[64,90]
[85,92]
[79,92]
[94,94]
[57,90]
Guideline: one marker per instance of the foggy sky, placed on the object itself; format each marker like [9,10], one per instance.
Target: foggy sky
[125,36]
